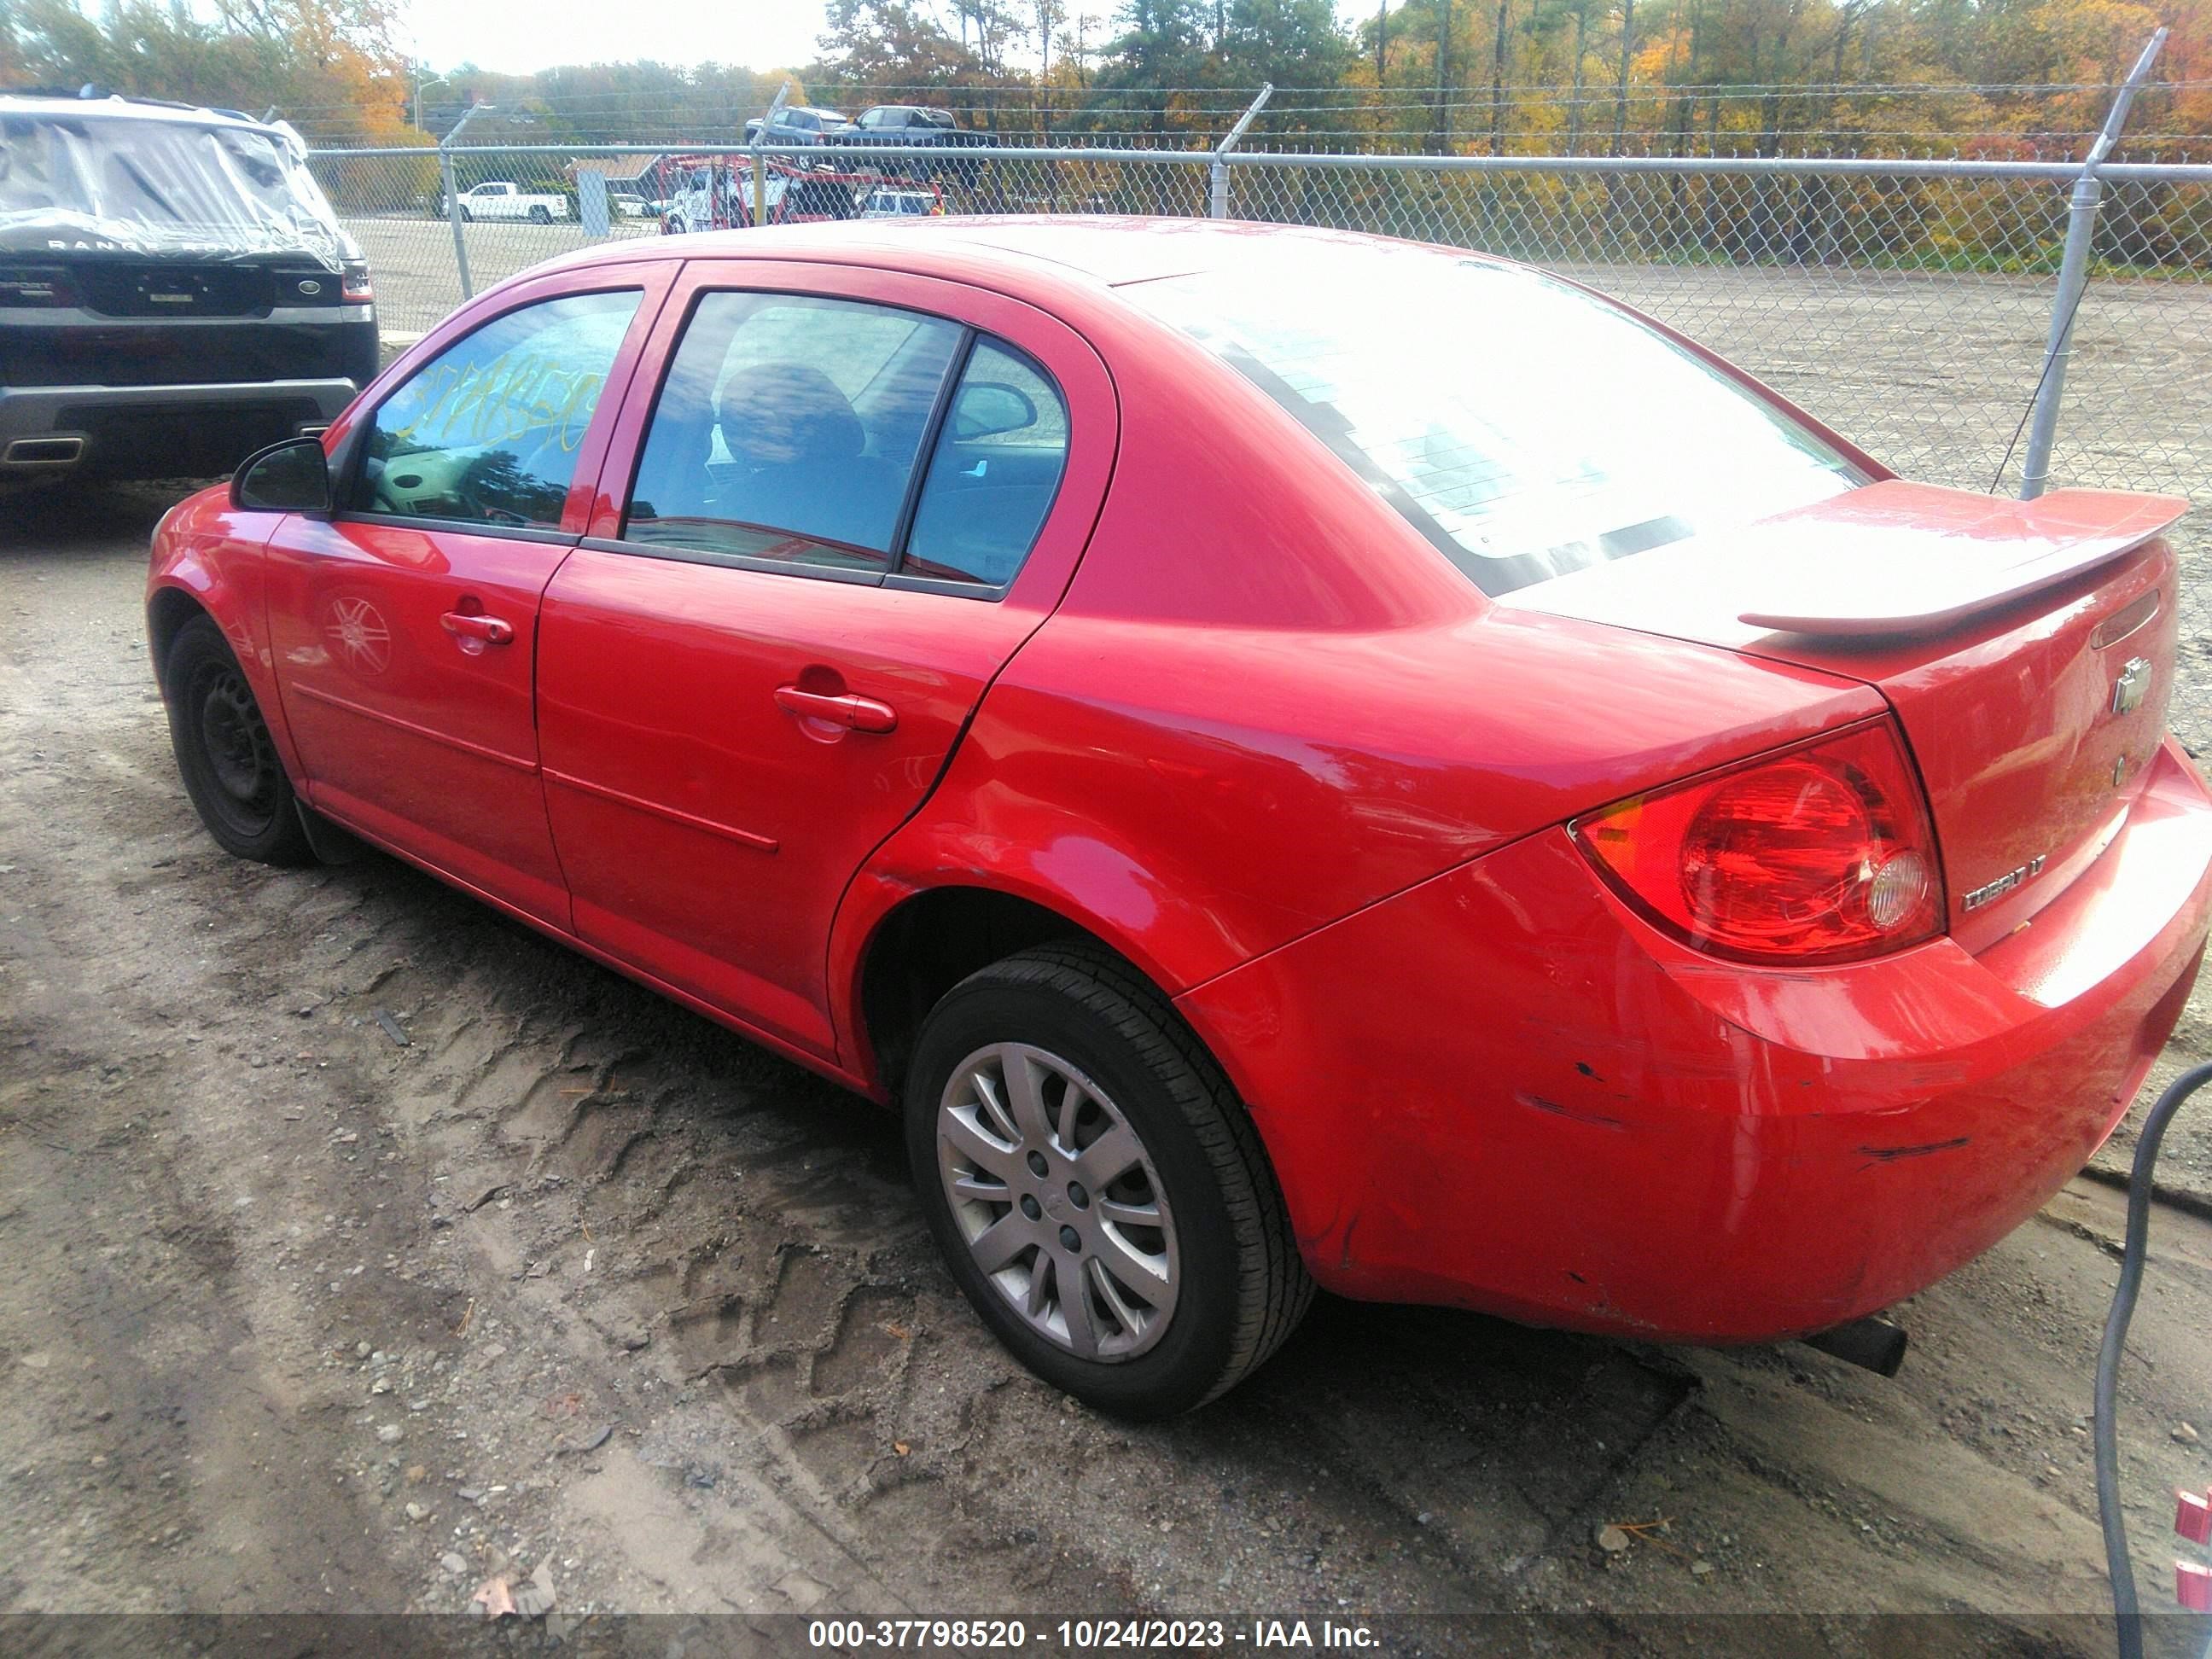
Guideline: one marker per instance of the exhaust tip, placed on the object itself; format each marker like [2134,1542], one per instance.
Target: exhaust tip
[1873,1344]
[44,452]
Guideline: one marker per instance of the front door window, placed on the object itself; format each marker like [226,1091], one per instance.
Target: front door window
[488,432]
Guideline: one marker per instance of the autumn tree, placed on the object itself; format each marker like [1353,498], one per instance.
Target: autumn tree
[1161,52]
[1996,78]
[1284,43]
[338,58]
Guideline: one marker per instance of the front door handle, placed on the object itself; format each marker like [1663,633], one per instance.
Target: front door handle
[492,630]
[842,708]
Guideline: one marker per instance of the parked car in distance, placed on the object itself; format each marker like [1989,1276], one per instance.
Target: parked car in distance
[901,202]
[716,192]
[502,199]
[1505,812]
[914,126]
[175,290]
[797,124]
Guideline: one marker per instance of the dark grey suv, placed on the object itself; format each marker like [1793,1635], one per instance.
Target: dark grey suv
[175,290]
[798,125]
[913,127]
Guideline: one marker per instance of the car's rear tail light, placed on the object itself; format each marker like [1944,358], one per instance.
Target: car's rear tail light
[1823,853]
[355,288]
[42,287]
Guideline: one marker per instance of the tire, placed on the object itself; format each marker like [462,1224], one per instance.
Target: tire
[230,766]
[539,215]
[467,217]
[1221,1270]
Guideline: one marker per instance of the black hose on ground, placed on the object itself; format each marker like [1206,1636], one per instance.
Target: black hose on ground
[2117,1565]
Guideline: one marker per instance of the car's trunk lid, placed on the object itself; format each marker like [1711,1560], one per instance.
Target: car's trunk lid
[2028,648]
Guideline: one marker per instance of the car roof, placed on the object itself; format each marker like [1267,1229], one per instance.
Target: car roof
[120,108]
[1098,250]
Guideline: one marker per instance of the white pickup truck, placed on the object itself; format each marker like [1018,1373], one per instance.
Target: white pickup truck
[498,199]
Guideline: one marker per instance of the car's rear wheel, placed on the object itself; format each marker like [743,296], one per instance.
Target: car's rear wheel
[1096,1185]
[229,763]
[541,216]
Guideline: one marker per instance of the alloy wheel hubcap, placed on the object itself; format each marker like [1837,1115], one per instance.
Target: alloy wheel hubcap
[1058,1201]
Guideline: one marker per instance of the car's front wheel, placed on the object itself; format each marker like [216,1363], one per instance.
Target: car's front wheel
[230,766]
[468,217]
[1096,1185]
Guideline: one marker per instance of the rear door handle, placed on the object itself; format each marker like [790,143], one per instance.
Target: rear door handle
[842,709]
[492,630]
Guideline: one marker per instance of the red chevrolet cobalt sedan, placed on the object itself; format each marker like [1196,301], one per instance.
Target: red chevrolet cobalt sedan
[1291,758]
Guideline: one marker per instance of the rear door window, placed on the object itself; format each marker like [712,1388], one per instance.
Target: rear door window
[788,430]
[996,468]
[834,438]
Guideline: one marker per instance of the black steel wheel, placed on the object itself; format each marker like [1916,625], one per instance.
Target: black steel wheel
[228,761]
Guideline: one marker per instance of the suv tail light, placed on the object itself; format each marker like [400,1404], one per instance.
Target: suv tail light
[1823,853]
[354,288]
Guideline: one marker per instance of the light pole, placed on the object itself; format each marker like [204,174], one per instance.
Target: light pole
[453,195]
[434,80]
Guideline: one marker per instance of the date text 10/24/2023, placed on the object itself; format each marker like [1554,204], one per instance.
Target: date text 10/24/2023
[1088,1635]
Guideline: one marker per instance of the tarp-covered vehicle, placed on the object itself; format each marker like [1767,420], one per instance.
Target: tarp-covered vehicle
[175,290]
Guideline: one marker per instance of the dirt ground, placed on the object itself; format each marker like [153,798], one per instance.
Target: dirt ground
[361,1244]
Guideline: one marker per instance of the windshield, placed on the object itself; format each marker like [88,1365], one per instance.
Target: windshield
[1525,428]
[102,183]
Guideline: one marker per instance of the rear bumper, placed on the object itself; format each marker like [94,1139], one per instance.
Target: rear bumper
[1502,1091]
[157,431]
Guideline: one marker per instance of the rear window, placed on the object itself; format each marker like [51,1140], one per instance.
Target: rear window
[1525,428]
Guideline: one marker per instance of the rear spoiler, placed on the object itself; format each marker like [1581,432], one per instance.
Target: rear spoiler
[1899,558]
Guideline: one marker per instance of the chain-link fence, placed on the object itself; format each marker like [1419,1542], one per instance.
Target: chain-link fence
[1907,303]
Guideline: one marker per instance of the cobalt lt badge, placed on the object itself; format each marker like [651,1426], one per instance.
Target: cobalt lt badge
[2134,683]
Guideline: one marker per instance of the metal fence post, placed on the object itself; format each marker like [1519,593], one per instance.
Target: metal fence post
[453,198]
[1217,199]
[2073,279]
